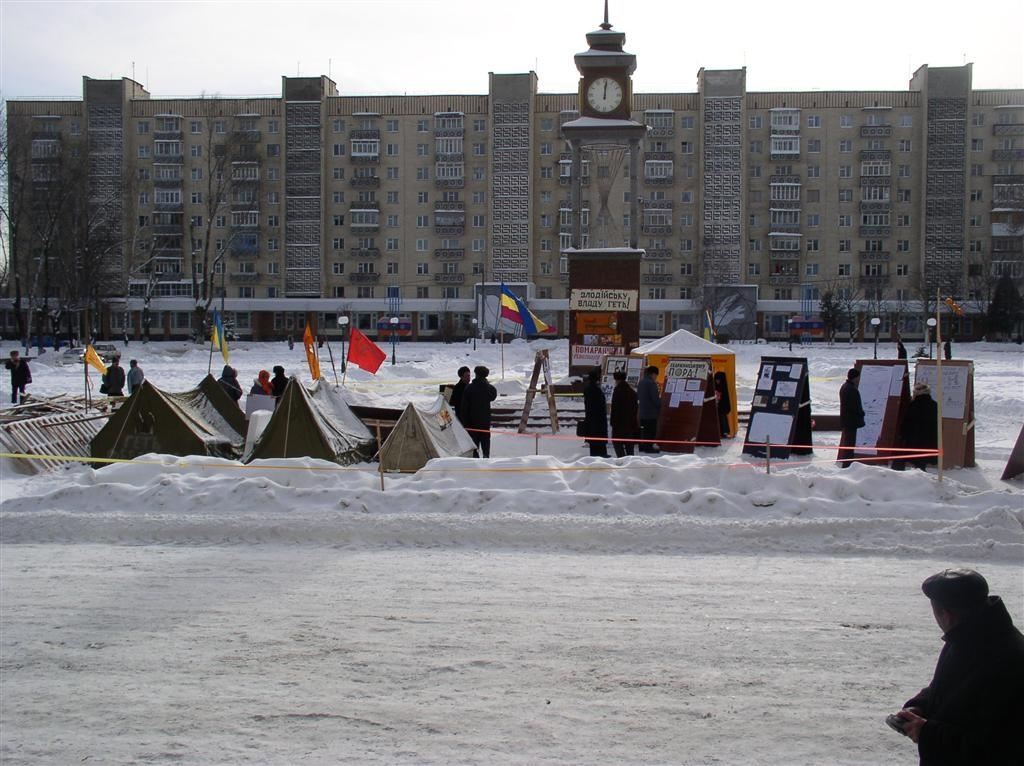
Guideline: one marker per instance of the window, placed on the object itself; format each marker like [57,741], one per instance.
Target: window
[392,221]
[144,152]
[196,126]
[903,171]
[902,269]
[273,126]
[976,170]
[685,293]
[687,147]
[845,121]
[338,126]
[392,174]
[754,245]
[478,245]
[903,246]
[756,122]
[845,220]
[197,198]
[811,270]
[545,148]
[977,195]
[686,197]
[814,145]
[903,220]
[391,126]
[977,119]
[337,197]
[753,269]
[391,150]
[657,293]
[844,270]
[142,127]
[783,293]
[755,171]
[906,121]
[813,245]
[903,195]
[977,144]
[421,245]
[338,150]
[391,244]
[844,246]
[687,123]
[846,146]
[422,126]
[846,171]
[813,220]
[756,147]
[479,125]
[478,221]
[273,244]
[422,174]
[814,171]
[905,144]
[273,150]
[423,268]
[813,121]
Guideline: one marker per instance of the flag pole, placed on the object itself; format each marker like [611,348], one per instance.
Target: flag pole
[938,376]
[85,370]
[209,365]
[500,329]
[331,355]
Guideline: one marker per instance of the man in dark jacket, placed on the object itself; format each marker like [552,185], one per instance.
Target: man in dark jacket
[624,415]
[971,711]
[279,382]
[21,376]
[649,405]
[229,382]
[920,427]
[476,410]
[113,381]
[595,415]
[457,390]
[851,417]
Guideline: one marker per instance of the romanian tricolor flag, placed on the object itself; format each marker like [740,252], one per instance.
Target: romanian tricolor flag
[514,310]
[217,336]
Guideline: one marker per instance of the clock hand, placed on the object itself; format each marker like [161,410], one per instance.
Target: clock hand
[605,90]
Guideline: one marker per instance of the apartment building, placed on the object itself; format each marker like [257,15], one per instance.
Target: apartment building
[317,204]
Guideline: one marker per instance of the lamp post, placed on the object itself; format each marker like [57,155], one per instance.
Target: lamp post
[875,322]
[789,327]
[343,324]
[931,330]
[393,321]
[475,323]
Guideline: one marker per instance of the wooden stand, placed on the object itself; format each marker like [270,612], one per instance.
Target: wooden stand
[689,410]
[541,362]
[780,412]
[957,407]
[884,393]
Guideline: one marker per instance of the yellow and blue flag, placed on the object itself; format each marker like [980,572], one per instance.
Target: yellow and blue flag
[217,336]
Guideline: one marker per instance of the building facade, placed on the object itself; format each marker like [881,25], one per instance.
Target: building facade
[128,210]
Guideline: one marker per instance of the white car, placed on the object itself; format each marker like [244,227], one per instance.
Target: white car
[70,355]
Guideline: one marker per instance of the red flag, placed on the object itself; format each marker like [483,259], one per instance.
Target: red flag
[311,358]
[365,353]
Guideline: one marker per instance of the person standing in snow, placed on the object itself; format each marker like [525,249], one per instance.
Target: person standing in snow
[457,390]
[261,386]
[624,415]
[476,410]
[851,416]
[901,350]
[21,376]
[649,405]
[724,403]
[920,427]
[113,379]
[947,349]
[229,382]
[971,711]
[595,415]
[135,376]
[279,382]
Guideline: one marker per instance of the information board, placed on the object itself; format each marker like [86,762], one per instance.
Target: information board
[688,406]
[884,395]
[780,411]
[957,407]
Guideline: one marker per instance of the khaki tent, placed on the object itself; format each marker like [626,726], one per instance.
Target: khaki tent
[424,433]
[216,406]
[316,423]
[170,424]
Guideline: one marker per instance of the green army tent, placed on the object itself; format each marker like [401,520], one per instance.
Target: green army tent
[424,433]
[152,420]
[316,423]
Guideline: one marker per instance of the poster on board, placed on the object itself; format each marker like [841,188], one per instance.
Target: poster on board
[781,409]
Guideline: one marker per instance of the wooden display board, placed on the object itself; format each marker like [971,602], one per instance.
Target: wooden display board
[957,407]
[884,394]
[633,365]
[689,411]
[1015,463]
[780,411]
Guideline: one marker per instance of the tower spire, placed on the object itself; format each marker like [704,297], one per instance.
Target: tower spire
[606,26]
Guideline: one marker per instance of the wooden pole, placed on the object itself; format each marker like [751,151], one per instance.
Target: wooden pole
[331,355]
[938,376]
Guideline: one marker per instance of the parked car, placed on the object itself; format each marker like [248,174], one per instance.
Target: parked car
[106,351]
[70,355]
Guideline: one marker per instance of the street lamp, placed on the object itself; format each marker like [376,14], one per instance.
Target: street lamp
[931,331]
[475,323]
[393,321]
[875,322]
[343,324]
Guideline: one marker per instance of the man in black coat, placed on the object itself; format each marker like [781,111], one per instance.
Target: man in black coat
[920,427]
[649,406]
[971,711]
[624,420]
[475,410]
[21,376]
[457,390]
[595,415]
[279,382]
[113,381]
[851,417]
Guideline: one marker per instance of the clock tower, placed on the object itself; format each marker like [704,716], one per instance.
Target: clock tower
[604,259]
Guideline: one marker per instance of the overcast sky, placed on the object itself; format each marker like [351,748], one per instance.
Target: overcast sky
[449,46]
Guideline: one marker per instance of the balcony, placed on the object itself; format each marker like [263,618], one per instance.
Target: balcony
[365,159]
[450,183]
[371,205]
[656,279]
[1014,180]
[244,277]
[248,136]
[783,279]
[1007,155]
[364,252]
[364,182]
[448,230]
[169,207]
[368,227]
[785,204]
[450,254]
[449,156]
[659,180]
[244,250]
[450,279]
[167,183]
[456,206]
[875,232]
[449,132]
[656,230]
[876,180]
[784,255]
[869,155]
[875,131]
[364,134]
[661,132]
[790,178]
[880,280]
[166,228]
[168,135]
[661,254]
[168,159]
[370,278]
[875,207]
[566,180]
[871,256]
[784,228]
[1008,130]
[784,156]
[659,156]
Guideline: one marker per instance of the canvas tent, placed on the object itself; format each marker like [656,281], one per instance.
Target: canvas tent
[216,406]
[683,344]
[316,423]
[422,433]
[152,420]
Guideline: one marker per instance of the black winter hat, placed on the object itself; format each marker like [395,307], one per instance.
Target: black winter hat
[957,589]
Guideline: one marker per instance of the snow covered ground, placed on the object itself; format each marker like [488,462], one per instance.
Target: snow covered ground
[548,608]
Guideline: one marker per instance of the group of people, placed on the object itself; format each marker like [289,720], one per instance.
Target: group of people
[471,401]
[919,429]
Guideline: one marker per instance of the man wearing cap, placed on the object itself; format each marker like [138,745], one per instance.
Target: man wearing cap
[920,428]
[851,417]
[476,410]
[971,711]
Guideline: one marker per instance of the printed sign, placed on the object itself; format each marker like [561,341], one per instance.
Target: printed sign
[591,355]
[604,300]
[688,368]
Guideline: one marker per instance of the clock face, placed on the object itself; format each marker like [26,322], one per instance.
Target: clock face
[604,94]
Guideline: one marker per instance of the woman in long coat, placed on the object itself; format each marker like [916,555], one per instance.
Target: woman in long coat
[595,415]
[624,415]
